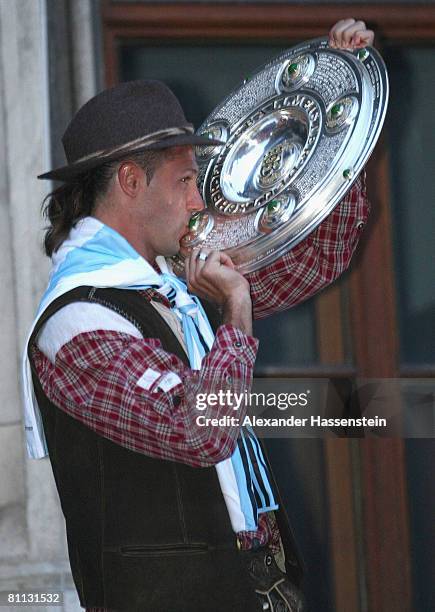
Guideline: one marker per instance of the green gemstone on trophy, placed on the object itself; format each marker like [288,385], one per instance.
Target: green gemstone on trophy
[194,222]
[337,110]
[348,174]
[294,69]
[363,54]
[273,206]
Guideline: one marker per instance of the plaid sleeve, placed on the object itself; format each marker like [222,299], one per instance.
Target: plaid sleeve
[134,393]
[316,261]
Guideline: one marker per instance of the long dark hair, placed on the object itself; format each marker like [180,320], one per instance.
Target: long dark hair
[77,198]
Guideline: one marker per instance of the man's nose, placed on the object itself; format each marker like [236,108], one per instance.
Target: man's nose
[195,202]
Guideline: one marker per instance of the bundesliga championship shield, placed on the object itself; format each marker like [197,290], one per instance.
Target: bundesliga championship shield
[296,135]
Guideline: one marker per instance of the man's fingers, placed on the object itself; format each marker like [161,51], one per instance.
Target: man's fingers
[203,257]
[187,267]
[335,34]
[363,38]
[212,256]
[346,35]
[212,275]
[212,263]
[192,263]
[202,282]
[349,33]
[197,260]
[226,260]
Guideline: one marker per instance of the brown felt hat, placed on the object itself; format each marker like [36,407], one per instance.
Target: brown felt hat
[130,117]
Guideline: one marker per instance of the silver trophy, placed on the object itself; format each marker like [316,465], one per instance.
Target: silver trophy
[296,135]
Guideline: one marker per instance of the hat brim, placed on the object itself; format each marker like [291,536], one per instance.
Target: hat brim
[66,173]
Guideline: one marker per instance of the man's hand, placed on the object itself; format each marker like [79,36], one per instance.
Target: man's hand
[216,279]
[350,34]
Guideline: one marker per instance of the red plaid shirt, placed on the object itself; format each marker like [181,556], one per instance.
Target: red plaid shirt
[316,261]
[94,379]
[95,374]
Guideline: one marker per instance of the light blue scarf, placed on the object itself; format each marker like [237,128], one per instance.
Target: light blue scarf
[96,255]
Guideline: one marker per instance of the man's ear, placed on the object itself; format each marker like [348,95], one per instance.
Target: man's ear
[130,178]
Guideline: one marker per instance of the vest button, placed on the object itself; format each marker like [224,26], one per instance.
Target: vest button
[238,344]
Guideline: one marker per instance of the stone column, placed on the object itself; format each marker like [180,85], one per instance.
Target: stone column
[32,535]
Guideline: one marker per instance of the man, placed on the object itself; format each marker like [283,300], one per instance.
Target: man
[120,349]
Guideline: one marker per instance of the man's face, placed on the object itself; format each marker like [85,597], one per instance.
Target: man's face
[169,201]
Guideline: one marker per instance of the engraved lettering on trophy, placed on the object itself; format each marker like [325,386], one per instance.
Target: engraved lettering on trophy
[230,207]
[214,183]
[333,77]
[296,100]
[218,201]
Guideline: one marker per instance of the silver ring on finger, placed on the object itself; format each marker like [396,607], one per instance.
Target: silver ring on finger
[202,256]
